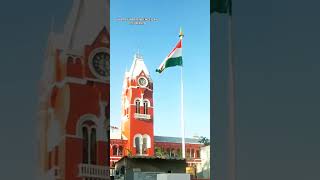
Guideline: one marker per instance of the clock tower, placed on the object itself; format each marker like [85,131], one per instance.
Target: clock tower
[137,109]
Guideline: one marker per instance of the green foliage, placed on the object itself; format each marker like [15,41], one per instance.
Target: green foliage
[204,140]
[158,152]
[179,154]
[129,152]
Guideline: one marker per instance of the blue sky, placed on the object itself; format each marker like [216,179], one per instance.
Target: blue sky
[154,41]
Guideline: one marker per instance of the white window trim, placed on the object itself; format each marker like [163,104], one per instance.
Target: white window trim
[134,139]
[148,102]
[84,118]
[140,143]
[137,99]
[148,140]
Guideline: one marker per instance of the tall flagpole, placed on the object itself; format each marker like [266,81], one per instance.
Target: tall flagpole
[182,120]
[232,111]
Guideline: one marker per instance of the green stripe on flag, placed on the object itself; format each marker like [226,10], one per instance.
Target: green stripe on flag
[177,61]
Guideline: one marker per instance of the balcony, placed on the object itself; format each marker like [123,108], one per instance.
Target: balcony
[94,171]
[112,172]
[142,116]
[54,172]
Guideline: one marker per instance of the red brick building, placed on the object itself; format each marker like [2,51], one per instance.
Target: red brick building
[74,97]
[136,134]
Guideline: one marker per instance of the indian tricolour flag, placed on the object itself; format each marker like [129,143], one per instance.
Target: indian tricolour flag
[173,59]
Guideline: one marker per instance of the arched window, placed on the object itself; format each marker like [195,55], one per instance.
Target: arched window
[137,106]
[192,153]
[85,144]
[114,150]
[120,150]
[144,145]
[198,154]
[89,142]
[93,146]
[137,144]
[145,107]
[70,60]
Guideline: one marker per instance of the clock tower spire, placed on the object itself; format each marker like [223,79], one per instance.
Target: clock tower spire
[137,108]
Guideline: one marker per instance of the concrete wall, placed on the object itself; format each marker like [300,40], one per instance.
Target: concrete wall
[173,177]
[147,169]
[203,170]
[158,165]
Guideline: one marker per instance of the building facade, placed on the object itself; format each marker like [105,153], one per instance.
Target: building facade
[136,136]
[74,97]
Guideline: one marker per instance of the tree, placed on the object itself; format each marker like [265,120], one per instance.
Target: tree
[159,152]
[179,153]
[204,140]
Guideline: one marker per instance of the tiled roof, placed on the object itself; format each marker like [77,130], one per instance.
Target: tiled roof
[176,140]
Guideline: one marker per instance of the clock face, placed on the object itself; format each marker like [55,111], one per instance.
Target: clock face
[143,82]
[100,64]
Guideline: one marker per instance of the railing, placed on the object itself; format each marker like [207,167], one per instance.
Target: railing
[93,171]
[142,116]
[55,172]
[112,172]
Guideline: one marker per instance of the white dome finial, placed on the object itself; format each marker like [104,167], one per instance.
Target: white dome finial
[138,55]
